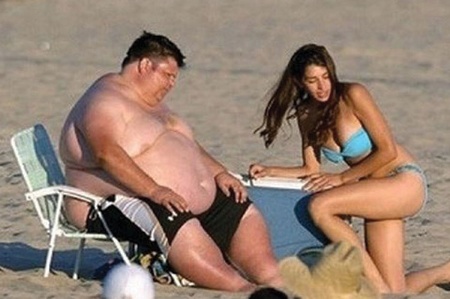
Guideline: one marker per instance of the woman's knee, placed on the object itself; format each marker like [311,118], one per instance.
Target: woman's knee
[397,287]
[319,208]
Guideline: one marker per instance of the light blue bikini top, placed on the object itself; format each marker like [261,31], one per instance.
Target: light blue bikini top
[358,144]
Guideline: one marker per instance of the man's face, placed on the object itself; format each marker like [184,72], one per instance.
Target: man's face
[162,76]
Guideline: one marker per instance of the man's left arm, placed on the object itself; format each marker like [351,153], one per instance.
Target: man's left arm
[226,181]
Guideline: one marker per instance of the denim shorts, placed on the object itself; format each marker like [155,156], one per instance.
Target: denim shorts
[417,169]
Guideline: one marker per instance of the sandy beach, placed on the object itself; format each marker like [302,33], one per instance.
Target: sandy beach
[52,50]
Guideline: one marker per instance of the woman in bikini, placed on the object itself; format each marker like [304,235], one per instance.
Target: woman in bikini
[383,185]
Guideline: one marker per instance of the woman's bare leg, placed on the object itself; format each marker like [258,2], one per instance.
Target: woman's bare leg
[385,245]
[419,281]
[388,254]
[378,199]
[338,230]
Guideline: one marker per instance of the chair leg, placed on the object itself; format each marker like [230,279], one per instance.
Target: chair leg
[51,247]
[78,258]
[132,250]
[48,261]
[121,251]
[114,239]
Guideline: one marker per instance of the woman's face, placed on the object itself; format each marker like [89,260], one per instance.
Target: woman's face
[317,82]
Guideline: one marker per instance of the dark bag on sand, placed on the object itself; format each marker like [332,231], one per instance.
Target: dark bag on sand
[154,262]
[160,270]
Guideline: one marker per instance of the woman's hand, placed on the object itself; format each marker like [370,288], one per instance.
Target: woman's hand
[258,171]
[228,183]
[322,181]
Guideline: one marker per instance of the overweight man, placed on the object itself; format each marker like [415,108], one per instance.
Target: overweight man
[122,142]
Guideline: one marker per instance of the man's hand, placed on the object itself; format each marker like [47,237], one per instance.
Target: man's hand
[169,199]
[228,183]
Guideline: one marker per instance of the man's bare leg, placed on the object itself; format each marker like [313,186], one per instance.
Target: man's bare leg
[251,250]
[195,256]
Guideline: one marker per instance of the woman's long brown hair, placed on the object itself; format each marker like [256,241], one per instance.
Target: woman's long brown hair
[289,99]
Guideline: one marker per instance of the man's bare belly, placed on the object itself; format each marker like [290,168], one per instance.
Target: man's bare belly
[173,161]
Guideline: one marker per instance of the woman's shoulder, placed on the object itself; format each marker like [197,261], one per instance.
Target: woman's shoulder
[355,93]
[354,89]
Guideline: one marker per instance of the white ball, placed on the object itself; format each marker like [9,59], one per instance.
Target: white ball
[128,281]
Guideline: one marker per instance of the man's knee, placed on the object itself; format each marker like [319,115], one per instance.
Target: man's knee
[270,276]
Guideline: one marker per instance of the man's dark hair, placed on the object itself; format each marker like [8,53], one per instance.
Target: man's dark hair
[150,45]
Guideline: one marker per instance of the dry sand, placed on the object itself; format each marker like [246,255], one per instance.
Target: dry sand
[50,51]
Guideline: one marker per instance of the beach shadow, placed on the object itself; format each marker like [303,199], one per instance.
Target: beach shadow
[304,218]
[444,286]
[18,256]
[290,225]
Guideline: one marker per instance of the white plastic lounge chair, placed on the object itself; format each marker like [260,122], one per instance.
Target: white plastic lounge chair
[46,189]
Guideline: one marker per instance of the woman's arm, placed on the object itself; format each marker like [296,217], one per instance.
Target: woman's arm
[383,152]
[384,149]
[310,165]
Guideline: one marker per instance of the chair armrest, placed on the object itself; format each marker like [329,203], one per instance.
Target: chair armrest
[65,191]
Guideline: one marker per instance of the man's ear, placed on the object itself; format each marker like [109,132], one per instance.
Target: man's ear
[145,65]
